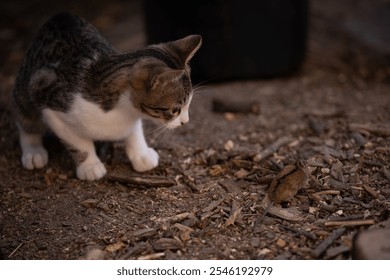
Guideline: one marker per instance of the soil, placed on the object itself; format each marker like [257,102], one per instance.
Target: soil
[204,200]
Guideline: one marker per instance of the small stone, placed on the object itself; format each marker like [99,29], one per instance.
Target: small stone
[325,170]
[229,116]
[229,145]
[241,173]
[63,176]
[264,251]
[95,254]
[280,243]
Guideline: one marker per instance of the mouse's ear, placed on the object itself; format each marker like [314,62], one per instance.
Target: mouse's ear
[185,48]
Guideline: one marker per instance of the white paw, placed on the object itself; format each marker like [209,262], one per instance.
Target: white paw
[91,171]
[146,161]
[34,158]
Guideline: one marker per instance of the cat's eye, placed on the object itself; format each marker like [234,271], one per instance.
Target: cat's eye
[176,110]
[156,109]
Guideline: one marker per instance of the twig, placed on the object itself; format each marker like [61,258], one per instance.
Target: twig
[14,251]
[320,249]
[234,213]
[309,235]
[332,192]
[145,182]
[352,223]
[151,256]
[289,214]
[348,218]
[175,218]
[372,128]
[272,148]
[371,191]
[265,212]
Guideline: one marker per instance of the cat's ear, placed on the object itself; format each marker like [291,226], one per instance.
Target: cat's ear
[185,48]
[165,77]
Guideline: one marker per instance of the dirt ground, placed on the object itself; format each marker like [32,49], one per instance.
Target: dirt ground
[204,201]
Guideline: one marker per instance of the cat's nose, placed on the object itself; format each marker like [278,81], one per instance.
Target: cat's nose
[184,118]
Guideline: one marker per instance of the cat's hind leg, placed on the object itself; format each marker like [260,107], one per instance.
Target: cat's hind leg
[31,130]
[34,155]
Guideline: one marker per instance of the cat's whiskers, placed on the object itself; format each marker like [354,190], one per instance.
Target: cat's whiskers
[199,88]
[157,131]
[160,133]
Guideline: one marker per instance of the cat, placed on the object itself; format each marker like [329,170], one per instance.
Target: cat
[73,82]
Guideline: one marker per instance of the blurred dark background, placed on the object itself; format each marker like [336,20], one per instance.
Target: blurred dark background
[244,39]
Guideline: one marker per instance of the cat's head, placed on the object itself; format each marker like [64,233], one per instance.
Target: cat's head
[162,82]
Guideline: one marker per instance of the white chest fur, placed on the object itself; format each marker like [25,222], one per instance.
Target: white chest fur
[88,120]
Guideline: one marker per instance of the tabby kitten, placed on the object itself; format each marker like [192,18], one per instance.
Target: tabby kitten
[73,82]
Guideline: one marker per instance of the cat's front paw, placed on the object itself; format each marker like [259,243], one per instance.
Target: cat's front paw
[91,171]
[145,161]
[34,158]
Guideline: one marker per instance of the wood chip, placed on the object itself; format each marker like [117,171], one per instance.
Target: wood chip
[185,231]
[371,191]
[183,227]
[232,186]
[308,234]
[321,248]
[175,218]
[213,205]
[89,203]
[234,214]
[115,247]
[331,192]
[144,182]
[289,214]
[353,223]
[167,244]
[152,256]
[144,233]
[376,129]
[138,248]
[272,148]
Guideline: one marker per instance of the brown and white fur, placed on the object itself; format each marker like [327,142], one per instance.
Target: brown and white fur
[74,83]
